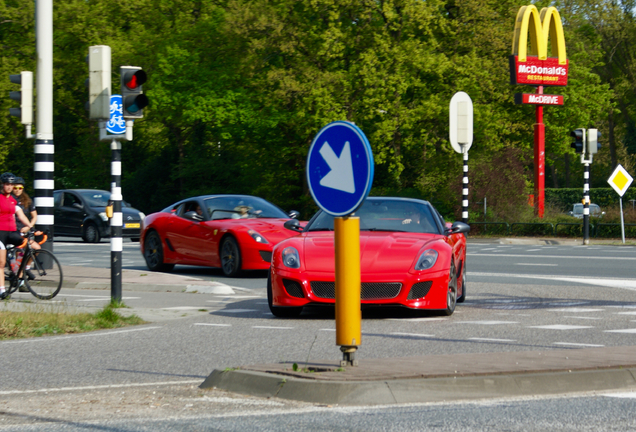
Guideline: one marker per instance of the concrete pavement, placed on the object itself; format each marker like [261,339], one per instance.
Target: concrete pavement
[398,379]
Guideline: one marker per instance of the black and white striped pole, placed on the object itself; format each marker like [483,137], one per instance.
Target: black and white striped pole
[461,137]
[116,221]
[43,166]
[590,147]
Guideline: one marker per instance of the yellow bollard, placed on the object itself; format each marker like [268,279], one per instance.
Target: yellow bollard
[348,314]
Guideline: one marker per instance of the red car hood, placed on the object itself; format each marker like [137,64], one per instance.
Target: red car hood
[379,251]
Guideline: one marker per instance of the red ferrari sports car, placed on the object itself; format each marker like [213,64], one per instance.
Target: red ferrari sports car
[234,232]
[409,257]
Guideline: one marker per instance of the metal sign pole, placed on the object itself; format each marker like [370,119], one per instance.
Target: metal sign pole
[116,242]
[622,221]
[465,189]
[539,159]
[586,204]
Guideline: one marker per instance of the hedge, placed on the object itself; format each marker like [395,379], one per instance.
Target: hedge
[604,197]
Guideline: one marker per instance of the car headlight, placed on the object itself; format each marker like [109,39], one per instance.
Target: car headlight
[291,258]
[142,216]
[257,237]
[103,216]
[426,260]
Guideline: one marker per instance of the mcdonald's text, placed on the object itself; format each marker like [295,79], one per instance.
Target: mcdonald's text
[538,99]
[533,71]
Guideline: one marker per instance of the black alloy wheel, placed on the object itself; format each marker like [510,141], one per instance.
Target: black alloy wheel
[91,233]
[451,294]
[230,257]
[153,253]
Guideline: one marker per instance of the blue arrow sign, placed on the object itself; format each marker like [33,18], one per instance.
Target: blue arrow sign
[116,124]
[340,168]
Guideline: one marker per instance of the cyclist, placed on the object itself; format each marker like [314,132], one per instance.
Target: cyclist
[28,208]
[8,230]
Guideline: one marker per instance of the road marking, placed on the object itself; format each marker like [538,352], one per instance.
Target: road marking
[577,310]
[107,298]
[588,318]
[272,327]
[213,325]
[413,335]
[555,256]
[533,250]
[415,319]
[626,313]
[185,308]
[57,338]
[487,322]
[236,310]
[535,264]
[628,284]
[233,297]
[98,387]
[560,327]
[492,340]
[633,330]
[326,329]
[578,344]
[622,395]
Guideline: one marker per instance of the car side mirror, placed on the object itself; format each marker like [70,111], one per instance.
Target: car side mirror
[293,214]
[458,228]
[192,215]
[293,225]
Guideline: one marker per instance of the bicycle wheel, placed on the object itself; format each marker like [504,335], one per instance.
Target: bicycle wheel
[48,275]
[10,280]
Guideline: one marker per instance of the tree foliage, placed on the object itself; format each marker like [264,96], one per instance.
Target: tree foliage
[239,88]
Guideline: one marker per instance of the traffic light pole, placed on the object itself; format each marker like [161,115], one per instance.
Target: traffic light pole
[465,189]
[586,204]
[116,241]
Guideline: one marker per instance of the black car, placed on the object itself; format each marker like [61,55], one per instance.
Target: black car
[82,213]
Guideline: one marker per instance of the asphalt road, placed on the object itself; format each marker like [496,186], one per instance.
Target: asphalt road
[520,297]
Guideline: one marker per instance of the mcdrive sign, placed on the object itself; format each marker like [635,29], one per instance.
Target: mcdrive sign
[536,68]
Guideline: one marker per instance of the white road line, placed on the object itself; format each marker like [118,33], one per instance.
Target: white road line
[272,327]
[622,395]
[633,330]
[492,340]
[57,338]
[212,325]
[577,310]
[233,297]
[626,313]
[236,310]
[185,308]
[578,344]
[536,264]
[487,322]
[413,334]
[99,387]
[628,284]
[326,329]
[532,250]
[587,318]
[556,257]
[416,319]
[560,327]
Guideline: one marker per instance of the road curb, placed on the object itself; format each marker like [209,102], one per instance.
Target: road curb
[418,390]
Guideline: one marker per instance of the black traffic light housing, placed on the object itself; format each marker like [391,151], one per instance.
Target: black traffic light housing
[133,98]
[24,96]
[579,140]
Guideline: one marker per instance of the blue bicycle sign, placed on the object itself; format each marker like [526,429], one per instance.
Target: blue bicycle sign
[117,123]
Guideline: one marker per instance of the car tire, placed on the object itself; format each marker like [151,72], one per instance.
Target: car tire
[277,311]
[461,298]
[230,257]
[91,233]
[153,253]
[451,292]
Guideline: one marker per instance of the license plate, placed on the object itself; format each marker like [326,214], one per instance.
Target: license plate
[132,225]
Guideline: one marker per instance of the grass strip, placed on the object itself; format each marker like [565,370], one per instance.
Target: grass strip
[36,323]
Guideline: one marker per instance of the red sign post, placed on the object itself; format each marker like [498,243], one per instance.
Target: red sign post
[539,70]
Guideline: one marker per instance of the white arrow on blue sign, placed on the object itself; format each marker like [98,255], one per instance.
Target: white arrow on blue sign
[340,168]
[116,124]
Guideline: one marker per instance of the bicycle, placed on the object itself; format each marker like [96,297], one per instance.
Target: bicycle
[45,268]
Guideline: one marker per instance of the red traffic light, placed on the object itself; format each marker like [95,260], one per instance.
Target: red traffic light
[134,79]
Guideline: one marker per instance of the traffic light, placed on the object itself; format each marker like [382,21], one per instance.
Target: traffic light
[133,98]
[593,137]
[99,82]
[24,96]
[579,140]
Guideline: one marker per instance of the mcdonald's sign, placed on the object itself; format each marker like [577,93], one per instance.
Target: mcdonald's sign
[537,68]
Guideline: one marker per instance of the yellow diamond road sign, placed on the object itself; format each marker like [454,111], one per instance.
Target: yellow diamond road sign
[620,180]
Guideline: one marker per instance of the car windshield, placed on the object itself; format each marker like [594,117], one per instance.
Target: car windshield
[242,207]
[578,209]
[98,198]
[386,215]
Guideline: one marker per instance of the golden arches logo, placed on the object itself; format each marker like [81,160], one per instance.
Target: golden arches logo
[536,67]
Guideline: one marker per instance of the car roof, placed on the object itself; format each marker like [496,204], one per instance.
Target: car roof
[81,190]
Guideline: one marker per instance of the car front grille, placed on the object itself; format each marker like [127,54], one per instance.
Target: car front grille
[369,290]
[266,255]
[419,290]
[293,288]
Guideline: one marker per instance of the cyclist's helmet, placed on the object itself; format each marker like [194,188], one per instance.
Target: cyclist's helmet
[18,181]
[7,178]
